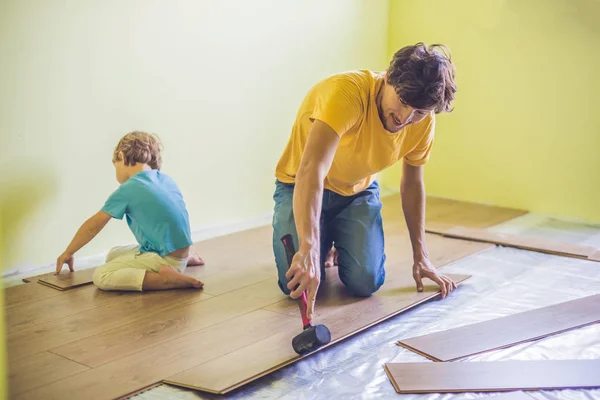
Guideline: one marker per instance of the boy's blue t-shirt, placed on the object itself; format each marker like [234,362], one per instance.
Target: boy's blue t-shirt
[155,210]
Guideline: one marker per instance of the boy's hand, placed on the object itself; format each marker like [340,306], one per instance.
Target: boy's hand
[64,258]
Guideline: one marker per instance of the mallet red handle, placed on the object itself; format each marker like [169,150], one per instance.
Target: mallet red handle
[288,244]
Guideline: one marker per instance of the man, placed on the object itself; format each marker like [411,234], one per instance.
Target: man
[349,127]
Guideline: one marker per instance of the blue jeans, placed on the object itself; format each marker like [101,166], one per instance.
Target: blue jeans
[352,223]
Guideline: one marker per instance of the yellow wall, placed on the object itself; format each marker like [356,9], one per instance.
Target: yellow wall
[3,358]
[212,78]
[526,128]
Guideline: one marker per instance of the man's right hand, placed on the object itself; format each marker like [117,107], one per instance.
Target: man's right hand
[305,274]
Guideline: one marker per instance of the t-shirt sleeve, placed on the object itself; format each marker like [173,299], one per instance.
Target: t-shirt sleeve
[117,203]
[422,151]
[339,105]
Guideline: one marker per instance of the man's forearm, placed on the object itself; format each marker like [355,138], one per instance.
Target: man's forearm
[308,195]
[413,206]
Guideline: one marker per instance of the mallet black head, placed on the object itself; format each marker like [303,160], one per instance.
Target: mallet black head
[311,339]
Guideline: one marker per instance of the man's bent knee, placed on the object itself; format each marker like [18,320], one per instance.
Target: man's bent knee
[363,282]
[364,286]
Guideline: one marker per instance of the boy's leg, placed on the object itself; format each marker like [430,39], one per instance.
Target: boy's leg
[358,236]
[147,271]
[283,223]
[128,251]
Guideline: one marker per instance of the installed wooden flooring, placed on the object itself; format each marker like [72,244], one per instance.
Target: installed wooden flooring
[85,343]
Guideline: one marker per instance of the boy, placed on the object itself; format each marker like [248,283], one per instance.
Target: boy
[156,215]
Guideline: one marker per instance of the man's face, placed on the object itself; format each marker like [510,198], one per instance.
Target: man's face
[394,114]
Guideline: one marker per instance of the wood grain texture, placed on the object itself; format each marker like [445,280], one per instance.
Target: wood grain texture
[27,293]
[495,376]
[39,370]
[519,241]
[139,339]
[144,368]
[274,352]
[159,327]
[66,279]
[463,341]
[445,213]
[235,260]
[74,301]
[134,306]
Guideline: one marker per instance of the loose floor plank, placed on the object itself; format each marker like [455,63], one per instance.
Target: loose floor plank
[468,340]
[39,370]
[495,376]
[134,306]
[144,368]
[160,327]
[70,302]
[66,279]
[274,352]
[519,241]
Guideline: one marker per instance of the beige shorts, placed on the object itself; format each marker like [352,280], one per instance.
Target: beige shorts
[126,267]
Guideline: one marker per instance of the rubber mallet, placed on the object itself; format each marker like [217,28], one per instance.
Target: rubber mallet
[313,336]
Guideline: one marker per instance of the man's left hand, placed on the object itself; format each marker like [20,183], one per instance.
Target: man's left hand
[423,268]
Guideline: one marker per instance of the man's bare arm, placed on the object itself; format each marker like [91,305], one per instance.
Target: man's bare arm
[308,193]
[412,189]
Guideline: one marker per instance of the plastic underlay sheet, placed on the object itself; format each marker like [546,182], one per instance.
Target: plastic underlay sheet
[505,281]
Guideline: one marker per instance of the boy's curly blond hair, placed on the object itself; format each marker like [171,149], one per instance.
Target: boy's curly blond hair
[139,147]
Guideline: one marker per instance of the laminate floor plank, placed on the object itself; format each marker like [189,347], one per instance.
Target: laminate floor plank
[135,306]
[71,302]
[519,241]
[495,376]
[117,343]
[445,213]
[27,293]
[144,368]
[38,370]
[498,333]
[66,279]
[141,338]
[274,352]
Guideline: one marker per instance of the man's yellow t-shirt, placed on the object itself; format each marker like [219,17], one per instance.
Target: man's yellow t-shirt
[347,103]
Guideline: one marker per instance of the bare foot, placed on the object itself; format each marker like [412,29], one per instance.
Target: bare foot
[332,258]
[178,279]
[194,260]
[168,278]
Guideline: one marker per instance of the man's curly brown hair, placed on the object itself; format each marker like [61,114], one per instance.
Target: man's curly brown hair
[423,77]
[139,147]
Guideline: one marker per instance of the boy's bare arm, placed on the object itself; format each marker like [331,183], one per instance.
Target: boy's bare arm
[86,232]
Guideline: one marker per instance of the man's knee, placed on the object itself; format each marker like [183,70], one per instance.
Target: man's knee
[364,285]
[362,281]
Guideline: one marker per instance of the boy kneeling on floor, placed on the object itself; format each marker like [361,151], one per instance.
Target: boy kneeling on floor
[157,216]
